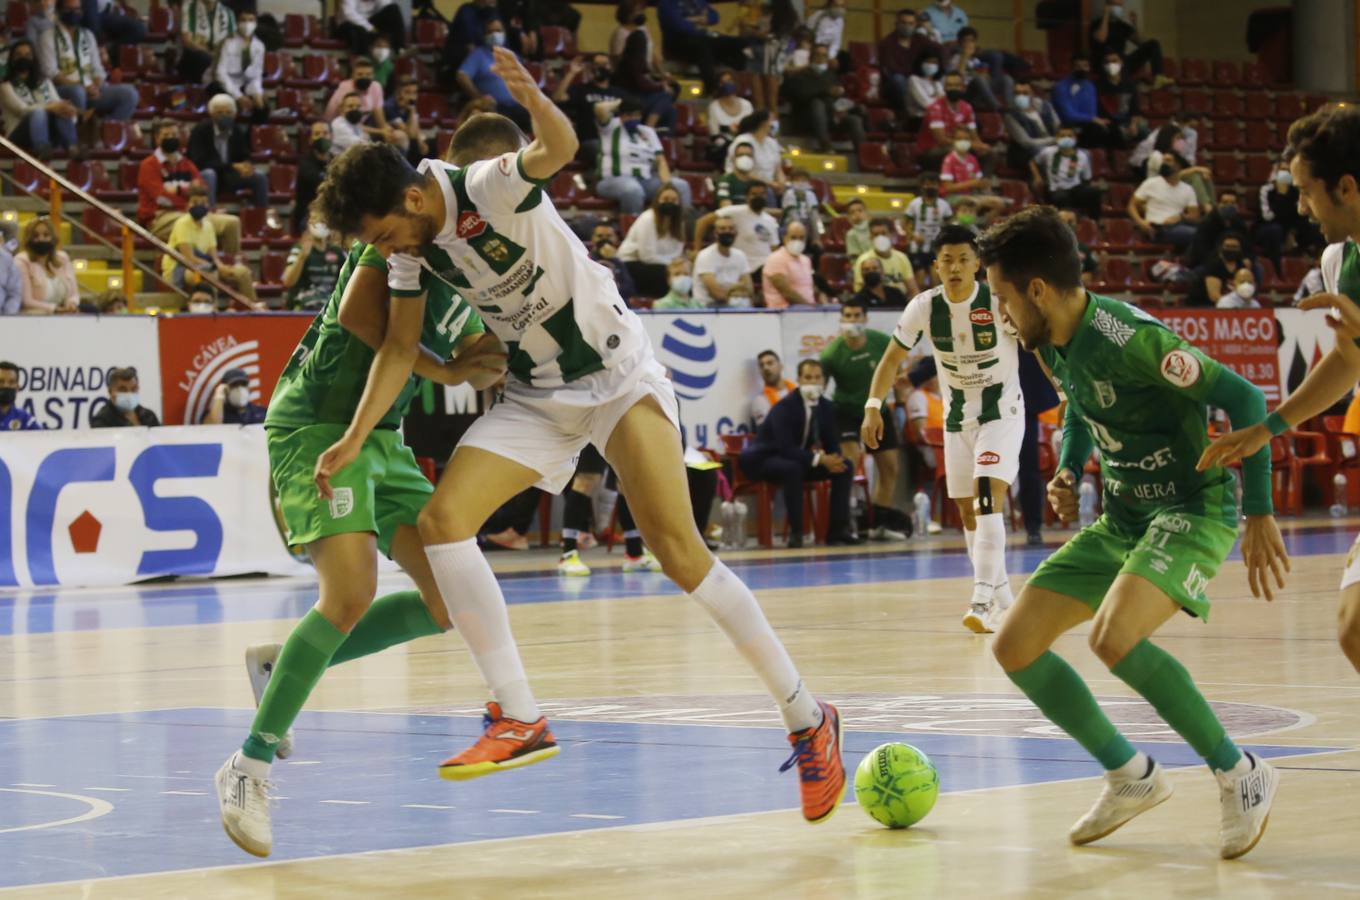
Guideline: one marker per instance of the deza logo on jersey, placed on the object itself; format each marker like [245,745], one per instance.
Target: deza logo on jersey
[981,317]
[691,354]
[988,458]
[470,225]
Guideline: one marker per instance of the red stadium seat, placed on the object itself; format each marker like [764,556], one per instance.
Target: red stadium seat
[686,119]
[315,70]
[873,157]
[1194,72]
[282,182]
[1117,234]
[1227,169]
[822,188]
[1255,75]
[1088,232]
[1258,137]
[1196,102]
[160,23]
[557,43]
[273,70]
[271,269]
[1225,136]
[835,268]
[990,127]
[271,142]
[296,30]
[293,104]
[1038,64]
[1296,268]
[1259,168]
[834,238]
[1118,275]
[430,34]
[700,192]
[863,55]
[97,222]
[878,127]
[1017,192]
[1225,74]
[16,17]
[1160,104]
[255,230]
[1226,105]
[1120,167]
[1289,107]
[433,107]
[904,164]
[1257,106]
[1117,199]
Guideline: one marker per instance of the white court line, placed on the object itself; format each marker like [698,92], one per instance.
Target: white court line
[31,784]
[109,790]
[518,812]
[592,816]
[425,806]
[1184,866]
[348,802]
[304,762]
[187,793]
[97,808]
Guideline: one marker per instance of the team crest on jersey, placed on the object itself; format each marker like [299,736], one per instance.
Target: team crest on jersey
[470,225]
[984,338]
[1105,395]
[988,459]
[342,502]
[1181,368]
[495,250]
[981,317]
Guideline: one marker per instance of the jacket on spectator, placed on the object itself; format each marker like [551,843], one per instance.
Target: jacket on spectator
[781,434]
[1075,100]
[240,66]
[11,285]
[674,16]
[153,174]
[203,146]
[36,281]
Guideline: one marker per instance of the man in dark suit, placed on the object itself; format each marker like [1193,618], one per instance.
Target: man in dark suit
[796,443]
[220,147]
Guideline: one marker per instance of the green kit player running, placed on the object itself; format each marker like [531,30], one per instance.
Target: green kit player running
[373,508]
[1140,393]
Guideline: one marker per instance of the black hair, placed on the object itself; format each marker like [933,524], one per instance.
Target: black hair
[366,180]
[853,200]
[880,220]
[11,367]
[1033,243]
[855,303]
[34,76]
[749,124]
[122,373]
[967,31]
[761,355]
[1329,142]
[808,362]
[953,235]
[483,136]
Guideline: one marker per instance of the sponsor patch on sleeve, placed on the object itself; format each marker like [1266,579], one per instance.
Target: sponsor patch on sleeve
[1181,368]
[988,458]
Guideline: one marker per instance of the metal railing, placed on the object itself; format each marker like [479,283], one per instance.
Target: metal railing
[130,229]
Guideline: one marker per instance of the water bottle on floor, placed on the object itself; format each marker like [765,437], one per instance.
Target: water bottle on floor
[1339,505]
[921,515]
[1086,501]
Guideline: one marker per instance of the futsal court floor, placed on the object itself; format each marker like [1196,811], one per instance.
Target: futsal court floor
[117,706]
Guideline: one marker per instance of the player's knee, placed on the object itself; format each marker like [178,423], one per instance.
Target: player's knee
[684,558]
[1110,643]
[1348,632]
[1012,649]
[441,526]
[984,501]
[344,607]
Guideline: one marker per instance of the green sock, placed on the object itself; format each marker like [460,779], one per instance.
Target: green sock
[393,619]
[299,667]
[1163,682]
[1056,688]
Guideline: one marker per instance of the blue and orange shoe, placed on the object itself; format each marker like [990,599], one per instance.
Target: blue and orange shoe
[821,774]
[505,744]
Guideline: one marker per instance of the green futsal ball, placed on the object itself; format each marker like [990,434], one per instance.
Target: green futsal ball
[897,784]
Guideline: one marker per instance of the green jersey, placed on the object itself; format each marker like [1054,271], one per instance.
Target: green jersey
[1140,392]
[853,370]
[325,377]
[320,272]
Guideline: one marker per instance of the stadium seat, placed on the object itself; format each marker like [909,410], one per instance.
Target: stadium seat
[1227,169]
[990,127]
[822,188]
[1296,268]
[433,107]
[833,241]
[1288,107]
[1258,105]
[430,34]
[313,71]
[1258,169]
[414,67]
[1038,64]
[96,222]
[1171,68]
[272,266]
[1088,232]
[1258,137]
[873,156]
[904,164]
[148,100]
[292,104]
[255,230]
[1120,167]
[1017,192]
[296,30]
[282,182]
[686,119]
[556,42]
[1117,275]
[271,142]
[1117,199]
[1116,234]
[16,17]
[1225,136]
[1227,105]
[321,39]
[1255,75]
[1100,166]
[273,70]
[700,191]
[1160,104]
[879,124]
[863,54]
[91,176]
[1225,74]
[1193,72]
[160,23]
[1196,103]
[835,268]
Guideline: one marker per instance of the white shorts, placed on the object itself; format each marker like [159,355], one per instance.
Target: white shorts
[991,450]
[546,429]
[1351,574]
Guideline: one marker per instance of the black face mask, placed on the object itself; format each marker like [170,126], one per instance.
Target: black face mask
[362,84]
[1228,211]
[954,96]
[354,116]
[669,209]
[322,145]
[932,192]
[1232,256]
[7,396]
[757,203]
[170,145]
[873,279]
[69,17]
[602,76]
[1167,171]
[1081,74]
[727,238]
[42,248]
[22,67]
[640,19]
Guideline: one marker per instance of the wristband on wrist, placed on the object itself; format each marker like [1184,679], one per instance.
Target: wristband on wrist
[873,403]
[1276,424]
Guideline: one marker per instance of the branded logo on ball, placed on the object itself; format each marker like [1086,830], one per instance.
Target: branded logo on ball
[897,785]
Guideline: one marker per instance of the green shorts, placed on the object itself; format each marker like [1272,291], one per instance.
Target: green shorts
[382,489]
[1178,552]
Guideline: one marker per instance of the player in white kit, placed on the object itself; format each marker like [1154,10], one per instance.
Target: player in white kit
[984,425]
[582,371]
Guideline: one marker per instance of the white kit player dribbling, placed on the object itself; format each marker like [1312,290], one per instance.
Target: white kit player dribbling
[978,364]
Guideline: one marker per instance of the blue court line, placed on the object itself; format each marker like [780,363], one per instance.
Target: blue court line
[211,603]
[384,768]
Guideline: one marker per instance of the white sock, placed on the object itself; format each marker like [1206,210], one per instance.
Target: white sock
[735,610]
[258,768]
[989,554]
[968,538]
[477,607]
[1242,768]
[1136,767]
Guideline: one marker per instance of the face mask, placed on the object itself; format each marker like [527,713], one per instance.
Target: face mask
[247,29]
[125,401]
[1232,256]
[1284,179]
[1081,74]
[819,67]
[1167,171]
[362,84]
[223,123]
[954,96]
[238,396]
[963,146]
[811,392]
[170,146]
[42,248]
[1228,211]
[796,246]
[966,219]
[669,209]
[681,284]
[382,54]
[496,39]
[774,129]
[852,329]
[1246,290]
[904,31]
[1113,68]
[932,191]
[322,145]
[354,116]
[930,69]
[200,306]
[727,89]
[602,77]
[757,203]
[320,231]
[727,239]
[640,19]
[1067,143]
[873,279]
[1022,101]
[22,67]
[632,125]
[744,163]
[198,211]
[69,17]
[7,396]
[882,243]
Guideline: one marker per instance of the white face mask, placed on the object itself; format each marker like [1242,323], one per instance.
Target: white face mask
[744,163]
[930,69]
[882,243]
[1067,143]
[774,128]
[126,401]
[1246,290]
[1284,178]
[382,54]
[238,397]
[1022,101]
[963,146]
[1114,68]
[682,284]
[247,29]
[811,392]
[496,39]
[201,307]
[852,329]
[796,246]
[320,231]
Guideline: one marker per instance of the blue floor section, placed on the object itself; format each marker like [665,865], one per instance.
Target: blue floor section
[44,612]
[382,769]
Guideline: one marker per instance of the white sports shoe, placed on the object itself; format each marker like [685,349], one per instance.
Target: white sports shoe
[1246,801]
[570,564]
[260,661]
[884,533]
[244,802]
[1121,800]
[978,619]
[644,563]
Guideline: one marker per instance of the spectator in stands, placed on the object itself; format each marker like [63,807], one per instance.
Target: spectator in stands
[13,417]
[1061,174]
[800,204]
[655,240]
[1224,218]
[124,408]
[946,20]
[732,185]
[925,86]
[587,94]
[1118,98]
[36,117]
[477,78]
[796,443]
[986,84]
[240,63]
[769,29]
[348,128]
[925,216]
[1281,222]
[774,387]
[313,268]
[1243,293]
[69,56]
[11,285]
[876,293]
[1115,31]
[363,83]
[311,172]
[193,238]
[721,268]
[466,31]
[814,94]
[231,403]
[1090,260]
[858,240]
[402,112]
[828,30]
[1031,123]
[220,148]
[631,16]
[758,130]
[966,211]
[897,270]
[202,300]
[204,26]
[687,35]
[604,249]
[787,274]
[48,276]
[1217,275]
[757,230]
[944,119]
[899,57]
[1078,104]
[42,15]
[680,287]
[1165,208]
[384,65]
[962,175]
[633,76]
[363,20]
[633,164]
[522,23]
[725,114]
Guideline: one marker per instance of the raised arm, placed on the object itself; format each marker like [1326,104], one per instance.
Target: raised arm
[555,142]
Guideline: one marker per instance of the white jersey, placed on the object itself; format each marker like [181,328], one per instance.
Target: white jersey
[505,250]
[978,360]
[927,219]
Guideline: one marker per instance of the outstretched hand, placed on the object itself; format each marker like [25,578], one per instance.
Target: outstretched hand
[1263,552]
[1234,446]
[518,80]
[1343,315]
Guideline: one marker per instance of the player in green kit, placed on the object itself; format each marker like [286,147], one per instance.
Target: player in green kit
[1324,159]
[1141,394]
[374,508]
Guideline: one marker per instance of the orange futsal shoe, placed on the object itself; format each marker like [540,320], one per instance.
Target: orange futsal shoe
[817,753]
[505,744]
